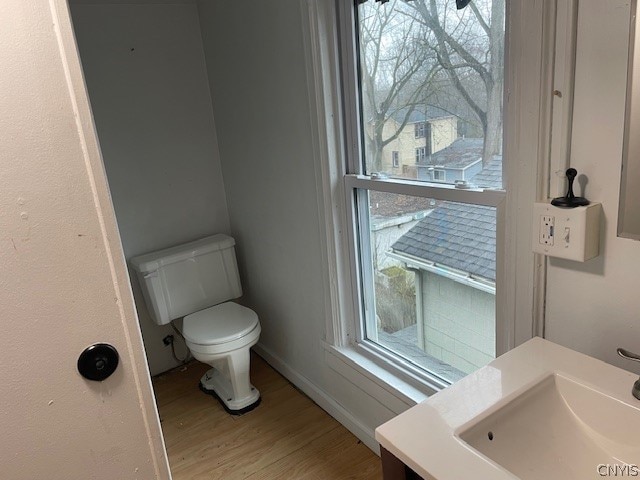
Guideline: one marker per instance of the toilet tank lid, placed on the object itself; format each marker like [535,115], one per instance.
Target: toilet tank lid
[152,261]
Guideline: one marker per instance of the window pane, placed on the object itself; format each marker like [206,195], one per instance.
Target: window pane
[431,80]
[432,265]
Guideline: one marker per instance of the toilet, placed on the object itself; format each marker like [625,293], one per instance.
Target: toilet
[196,281]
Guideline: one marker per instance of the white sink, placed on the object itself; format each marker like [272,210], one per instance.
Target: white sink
[540,412]
[556,429]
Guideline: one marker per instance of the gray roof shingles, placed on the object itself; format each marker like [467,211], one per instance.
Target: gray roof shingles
[460,154]
[491,175]
[457,235]
[460,236]
[383,204]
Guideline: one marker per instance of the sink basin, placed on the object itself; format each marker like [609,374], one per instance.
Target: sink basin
[539,412]
[558,428]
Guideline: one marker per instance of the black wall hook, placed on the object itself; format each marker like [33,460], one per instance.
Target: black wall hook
[570,200]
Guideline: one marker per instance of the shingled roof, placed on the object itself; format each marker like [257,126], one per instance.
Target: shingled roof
[491,175]
[383,204]
[460,154]
[459,236]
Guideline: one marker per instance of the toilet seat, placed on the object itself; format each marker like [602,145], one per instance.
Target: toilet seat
[219,324]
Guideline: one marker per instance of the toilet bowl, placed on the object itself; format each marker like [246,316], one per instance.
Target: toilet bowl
[196,280]
[221,336]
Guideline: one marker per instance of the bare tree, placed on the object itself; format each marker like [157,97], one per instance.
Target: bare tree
[470,49]
[391,55]
[416,52]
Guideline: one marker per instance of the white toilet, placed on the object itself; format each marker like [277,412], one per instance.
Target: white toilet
[195,281]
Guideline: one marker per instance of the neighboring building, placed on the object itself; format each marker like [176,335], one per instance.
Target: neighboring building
[453,251]
[391,216]
[426,132]
[461,160]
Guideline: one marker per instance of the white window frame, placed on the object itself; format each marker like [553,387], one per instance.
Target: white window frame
[529,73]
[438,172]
[395,158]
[421,154]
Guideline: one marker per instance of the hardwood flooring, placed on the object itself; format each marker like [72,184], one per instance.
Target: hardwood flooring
[286,437]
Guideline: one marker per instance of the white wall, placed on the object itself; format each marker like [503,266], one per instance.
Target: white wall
[257,70]
[145,71]
[256,65]
[595,307]
[63,282]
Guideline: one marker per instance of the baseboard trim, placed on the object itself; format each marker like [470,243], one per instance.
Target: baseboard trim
[320,397]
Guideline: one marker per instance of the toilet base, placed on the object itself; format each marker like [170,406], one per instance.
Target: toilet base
[218,385]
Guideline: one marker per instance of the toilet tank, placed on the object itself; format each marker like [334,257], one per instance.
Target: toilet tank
[187,278]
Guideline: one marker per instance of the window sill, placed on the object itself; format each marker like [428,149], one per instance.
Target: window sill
[375,376]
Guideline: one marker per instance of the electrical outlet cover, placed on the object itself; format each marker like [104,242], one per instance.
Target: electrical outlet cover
[571,233]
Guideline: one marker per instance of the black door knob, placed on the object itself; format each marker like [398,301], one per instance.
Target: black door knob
[98,361]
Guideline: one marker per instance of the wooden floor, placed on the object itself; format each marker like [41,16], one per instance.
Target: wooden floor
[286,437]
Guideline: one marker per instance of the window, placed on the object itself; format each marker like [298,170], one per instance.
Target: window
[395,159]
[432,282]
[439,175]
[425,254]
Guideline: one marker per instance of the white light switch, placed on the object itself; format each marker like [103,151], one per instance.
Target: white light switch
[572,233]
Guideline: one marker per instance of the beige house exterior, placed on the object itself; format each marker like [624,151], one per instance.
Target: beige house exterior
[417,140]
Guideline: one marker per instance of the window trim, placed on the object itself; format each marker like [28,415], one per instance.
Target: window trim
[364,299]
[395,158]
[437,191]
[527,94]
[440,171]
[359,244]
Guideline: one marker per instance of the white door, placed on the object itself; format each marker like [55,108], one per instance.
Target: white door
[63,279]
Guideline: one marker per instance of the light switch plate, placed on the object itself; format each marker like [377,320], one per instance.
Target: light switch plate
[571,233]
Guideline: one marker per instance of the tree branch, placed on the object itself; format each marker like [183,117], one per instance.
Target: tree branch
[481,20]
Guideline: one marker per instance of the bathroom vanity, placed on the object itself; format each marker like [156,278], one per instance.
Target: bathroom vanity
[395,469]
[539,412]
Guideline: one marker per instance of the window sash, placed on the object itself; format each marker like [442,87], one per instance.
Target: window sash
[355,188]
[355,181]
[517,303]
[437,191]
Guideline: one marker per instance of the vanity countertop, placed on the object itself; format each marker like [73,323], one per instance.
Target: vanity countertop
[427,437]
